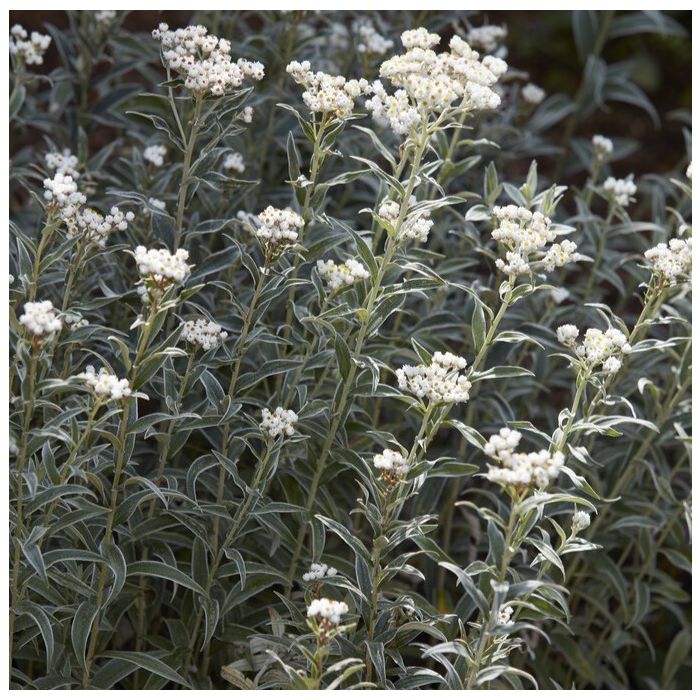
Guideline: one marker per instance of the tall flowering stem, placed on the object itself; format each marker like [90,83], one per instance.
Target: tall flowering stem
[338,410]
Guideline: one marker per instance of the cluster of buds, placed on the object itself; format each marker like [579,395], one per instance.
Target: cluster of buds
[105,385]
[324,616]
[203,334]
[63,162]
[602,147]
[234,163]
[62,195]
[40,319]
[279,229]
[599,348]
[415,226]
[319,571]
[671,262]
[533,94]
[90,226]
[392,466]
[620,191]
[336,276]
[439,382]
[159,270]
[280,422]
[29,50]
[155,154]
[520,470]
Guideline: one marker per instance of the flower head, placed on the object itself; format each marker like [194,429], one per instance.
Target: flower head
[487,37]
[90,225]
[620,191]
[28,49]
[155,154]
[392,465]
[278,422]
[602,147]
[580,521]
[40,319]
[234,162]
[319,571]
[63,162]
[672,262]
[533,94]
[416,225]
[204,61]
[105,385]
[279,229]
[203,334]
[336,276]
[327,611]
[520,469]
[439,382]
[160,269]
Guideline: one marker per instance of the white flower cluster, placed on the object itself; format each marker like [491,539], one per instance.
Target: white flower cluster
[370,40]
[326,93]
[520,469]
[504,615]
[602,147]
[64,163]
[39,318]
[204,61]
[622,191]
[89,225]
[527,233]
[319,571]
[487,38]
[160,264]
[533,94]
[439,382]
[281,421]
[29,49]
[673,260]
[428,82]
[155,154]
[158,204]
[598,347]
[329,611]
[106,385]
[247,115]
[61,191]
[203,333]
[392,465]
[336,276]
[580,521]
[278,228]
[105,16]
[416,225]
[235,162]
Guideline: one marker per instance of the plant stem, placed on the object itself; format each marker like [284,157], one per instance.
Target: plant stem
[107,540]
[19,524]
[338,411]
[184,180]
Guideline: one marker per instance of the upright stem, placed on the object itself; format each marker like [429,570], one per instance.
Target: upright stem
[185,178]
[240,353]
[46,234]
[107,540]
[338,411]
[19,524]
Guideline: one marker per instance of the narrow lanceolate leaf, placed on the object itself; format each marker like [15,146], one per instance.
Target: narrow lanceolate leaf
[165,571]
[150,663]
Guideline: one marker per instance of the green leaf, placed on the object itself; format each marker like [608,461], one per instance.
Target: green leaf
[150,663]
[165,571]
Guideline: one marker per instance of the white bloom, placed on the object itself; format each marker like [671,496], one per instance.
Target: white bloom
[324,93]
[162,267]
[504,615]
[526,235]
[278,228]
[599,345]
[533,94]
[89,225]
[415,226]
[29,49]
[673,260]
[204,61]
[567,334]
[235,162]
[247,115]
[74,321]
[428,83]
[40,319]
[203,333]
[158,204]
[281,421]
[612,365]
[621,191]
[689,171]
[392,465]
[336,276]
[329,611]
[487,37]
[106,385]
[439,382]
[319,571]
[105,16]
[155,154]
[602,147]
[64,163]
[370,41]
[520,469]
[580,521]
[61,191]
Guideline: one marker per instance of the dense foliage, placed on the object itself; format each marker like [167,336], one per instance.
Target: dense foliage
[322,381]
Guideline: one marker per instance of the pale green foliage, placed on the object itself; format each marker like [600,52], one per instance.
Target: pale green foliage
[159,540]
